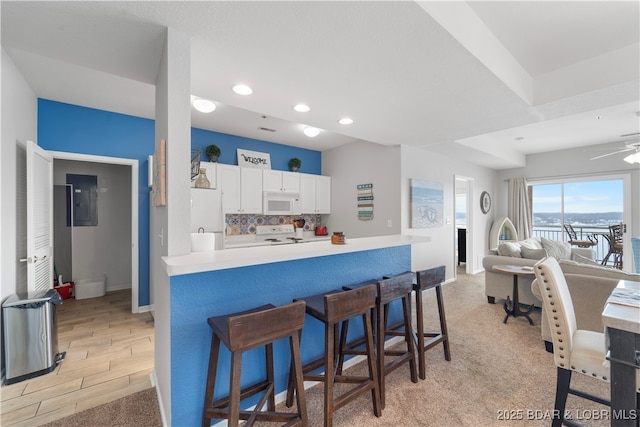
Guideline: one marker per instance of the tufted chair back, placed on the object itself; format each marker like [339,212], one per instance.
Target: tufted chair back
[559,308]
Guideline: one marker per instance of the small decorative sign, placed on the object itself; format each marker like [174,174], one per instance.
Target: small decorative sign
[254,159]
[365,202]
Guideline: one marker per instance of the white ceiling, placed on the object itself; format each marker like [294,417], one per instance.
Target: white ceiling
[487,81]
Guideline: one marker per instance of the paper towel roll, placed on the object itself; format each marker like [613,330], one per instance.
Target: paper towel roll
[203,242]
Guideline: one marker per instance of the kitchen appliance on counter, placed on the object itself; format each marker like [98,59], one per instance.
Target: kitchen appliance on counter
[298,226]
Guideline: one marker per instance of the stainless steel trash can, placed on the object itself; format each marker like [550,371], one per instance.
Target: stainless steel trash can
[30,335]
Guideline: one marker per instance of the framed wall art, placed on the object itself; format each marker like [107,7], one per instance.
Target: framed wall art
[159,189]
[427,204]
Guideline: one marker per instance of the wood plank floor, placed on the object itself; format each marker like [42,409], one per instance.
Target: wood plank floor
[109,355]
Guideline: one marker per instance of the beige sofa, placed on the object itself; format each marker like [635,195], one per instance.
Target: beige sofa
[500,285]
[589,286]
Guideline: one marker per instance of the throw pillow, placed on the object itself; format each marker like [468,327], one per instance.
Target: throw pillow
[584,260]
[533,253]
[556,249]
[531,243]
[509,249]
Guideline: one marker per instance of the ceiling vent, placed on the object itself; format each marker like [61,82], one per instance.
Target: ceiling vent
[266,129]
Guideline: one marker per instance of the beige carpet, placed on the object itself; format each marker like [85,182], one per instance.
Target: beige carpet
[499,375]
[139,409]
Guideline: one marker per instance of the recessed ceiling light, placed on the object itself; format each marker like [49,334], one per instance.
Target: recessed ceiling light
[345,121]
[301,108]
[204,105]
[311,132]
[242,90]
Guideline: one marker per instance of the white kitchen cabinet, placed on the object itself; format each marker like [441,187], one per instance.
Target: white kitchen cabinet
[315,193]
[275,180]
[250,190]
[212,174]
[229,182]
[323,194]
[241,189]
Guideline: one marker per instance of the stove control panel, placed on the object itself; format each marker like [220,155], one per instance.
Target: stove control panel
[274,229]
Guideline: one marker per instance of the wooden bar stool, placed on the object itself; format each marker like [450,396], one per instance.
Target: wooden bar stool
[388,290]
[427,279]
[332,309]
[244,331]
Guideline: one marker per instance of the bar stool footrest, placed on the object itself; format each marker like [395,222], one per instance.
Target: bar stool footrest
[244,393]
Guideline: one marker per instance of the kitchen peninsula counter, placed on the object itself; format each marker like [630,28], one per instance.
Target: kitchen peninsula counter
[202,285]
[198,262]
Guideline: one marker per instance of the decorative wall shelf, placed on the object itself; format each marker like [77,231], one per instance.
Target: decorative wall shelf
[502,227]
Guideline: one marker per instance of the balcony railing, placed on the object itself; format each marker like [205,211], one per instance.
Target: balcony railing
[558,233]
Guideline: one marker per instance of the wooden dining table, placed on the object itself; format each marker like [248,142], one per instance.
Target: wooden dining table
[621,318]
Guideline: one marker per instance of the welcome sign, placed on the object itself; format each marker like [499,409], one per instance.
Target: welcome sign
[254,159]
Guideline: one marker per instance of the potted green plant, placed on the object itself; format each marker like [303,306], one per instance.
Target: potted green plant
[294,164]
[213,152]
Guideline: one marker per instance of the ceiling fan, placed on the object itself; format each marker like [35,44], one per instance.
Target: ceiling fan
[631,158]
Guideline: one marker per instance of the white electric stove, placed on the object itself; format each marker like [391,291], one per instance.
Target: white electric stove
[272,235]
[281,234]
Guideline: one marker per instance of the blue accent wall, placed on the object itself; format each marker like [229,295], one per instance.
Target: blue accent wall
[75,129]
[196,297]
[279,154]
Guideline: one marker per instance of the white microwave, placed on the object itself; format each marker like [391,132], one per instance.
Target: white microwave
[280,203]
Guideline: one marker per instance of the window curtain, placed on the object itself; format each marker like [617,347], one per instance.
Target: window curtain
[519,207]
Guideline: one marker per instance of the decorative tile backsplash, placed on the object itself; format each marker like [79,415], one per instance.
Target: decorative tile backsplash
[238,224]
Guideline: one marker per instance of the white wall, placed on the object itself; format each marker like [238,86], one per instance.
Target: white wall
[19,123]
[173,123]
[105,248]
[422,164]
[390,170]
[363,162]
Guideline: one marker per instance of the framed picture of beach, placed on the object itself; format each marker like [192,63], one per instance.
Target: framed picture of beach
[427,204]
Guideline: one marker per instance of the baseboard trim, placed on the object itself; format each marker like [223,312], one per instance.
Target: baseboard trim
[282,396]
[113,288]
[154,383]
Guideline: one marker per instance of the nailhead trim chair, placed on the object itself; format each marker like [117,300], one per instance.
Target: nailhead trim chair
[575,350]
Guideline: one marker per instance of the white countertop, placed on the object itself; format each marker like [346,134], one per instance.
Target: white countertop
[623,317]
[198,262]
[234,242]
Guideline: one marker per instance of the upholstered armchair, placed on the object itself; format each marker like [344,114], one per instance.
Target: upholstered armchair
[575,350]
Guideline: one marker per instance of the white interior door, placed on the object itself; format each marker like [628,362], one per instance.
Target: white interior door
[39,218]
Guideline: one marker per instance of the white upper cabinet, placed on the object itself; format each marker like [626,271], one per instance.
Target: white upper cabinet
[229,182]
[275,180]
[212,174]
[323,194]
[250,190]
[315,192]
[241,189]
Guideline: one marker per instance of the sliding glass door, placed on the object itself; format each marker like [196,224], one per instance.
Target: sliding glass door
[589,205]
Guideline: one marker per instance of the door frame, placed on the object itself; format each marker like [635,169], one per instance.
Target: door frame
[469,264]
[133,164]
